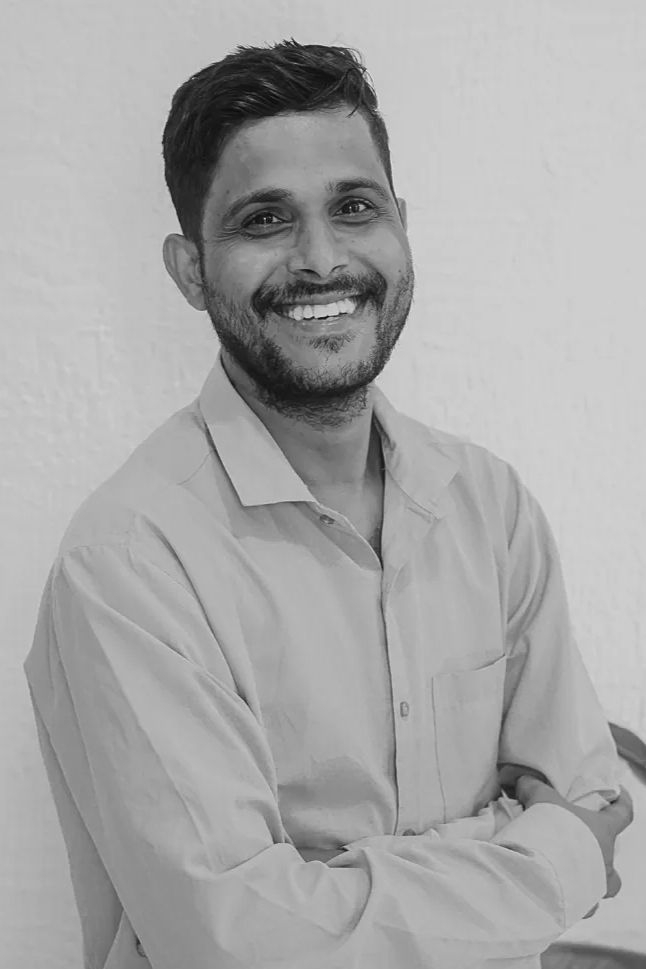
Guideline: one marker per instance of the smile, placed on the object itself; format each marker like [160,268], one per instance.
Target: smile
[315,311]
[339,319]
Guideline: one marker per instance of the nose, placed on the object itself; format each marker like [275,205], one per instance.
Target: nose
[319,250]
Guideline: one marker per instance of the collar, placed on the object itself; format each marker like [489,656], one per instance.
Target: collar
[261,474]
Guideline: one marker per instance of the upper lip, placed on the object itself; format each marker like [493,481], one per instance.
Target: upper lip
[321,300]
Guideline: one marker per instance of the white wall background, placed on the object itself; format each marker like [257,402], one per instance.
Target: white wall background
[518,132]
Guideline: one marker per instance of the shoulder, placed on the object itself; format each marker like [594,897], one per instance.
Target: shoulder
[146,487]
[475,468]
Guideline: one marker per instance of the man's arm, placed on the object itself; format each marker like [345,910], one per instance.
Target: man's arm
[174,778]
[553,722]
[606,824]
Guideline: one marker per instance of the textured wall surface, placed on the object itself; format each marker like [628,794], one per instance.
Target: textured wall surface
[519,142]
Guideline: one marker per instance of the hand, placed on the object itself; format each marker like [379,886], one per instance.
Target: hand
[509,773]
[605,825]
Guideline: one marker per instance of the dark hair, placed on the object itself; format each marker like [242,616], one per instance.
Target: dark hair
[253,83]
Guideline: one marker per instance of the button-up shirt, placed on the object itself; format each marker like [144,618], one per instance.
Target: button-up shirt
[269,748]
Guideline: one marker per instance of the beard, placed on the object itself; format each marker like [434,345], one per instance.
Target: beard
[330,391]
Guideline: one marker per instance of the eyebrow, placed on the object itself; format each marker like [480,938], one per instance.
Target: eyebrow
[282,194]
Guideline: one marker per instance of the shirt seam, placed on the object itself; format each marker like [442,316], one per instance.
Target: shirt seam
[122,536]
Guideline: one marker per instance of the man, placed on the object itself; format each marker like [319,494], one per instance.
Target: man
[291,654]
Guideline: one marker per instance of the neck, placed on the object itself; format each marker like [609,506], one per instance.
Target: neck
[340,455]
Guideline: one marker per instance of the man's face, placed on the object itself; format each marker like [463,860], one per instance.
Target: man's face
[315,243]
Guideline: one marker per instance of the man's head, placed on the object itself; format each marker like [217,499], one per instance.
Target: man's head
[300,120]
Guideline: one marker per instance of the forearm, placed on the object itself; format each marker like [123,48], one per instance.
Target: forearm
[423,902]
[483,826]
[467,884]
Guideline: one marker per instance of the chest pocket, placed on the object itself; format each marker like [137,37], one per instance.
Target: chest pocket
[467,716]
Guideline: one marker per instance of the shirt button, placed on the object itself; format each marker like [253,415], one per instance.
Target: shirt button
[140,949]
[404,709]
[409,831]
[327,520]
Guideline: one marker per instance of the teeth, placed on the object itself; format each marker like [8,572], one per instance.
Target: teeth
[318,312]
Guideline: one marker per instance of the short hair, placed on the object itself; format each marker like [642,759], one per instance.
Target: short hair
[253,83]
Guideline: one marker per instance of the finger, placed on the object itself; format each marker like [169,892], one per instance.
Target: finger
[507,777]
[529,787]
[509,773]
[526,785]
[614,884]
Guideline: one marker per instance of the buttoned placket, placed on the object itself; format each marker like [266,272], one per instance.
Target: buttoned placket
[404,723]
[406,767]
[407,688]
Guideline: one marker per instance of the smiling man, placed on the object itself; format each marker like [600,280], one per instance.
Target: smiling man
[292,657]
[303,264]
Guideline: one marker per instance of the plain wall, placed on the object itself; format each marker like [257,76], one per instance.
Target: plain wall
[518,140]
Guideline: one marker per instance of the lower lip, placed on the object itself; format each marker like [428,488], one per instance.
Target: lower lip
[321,327]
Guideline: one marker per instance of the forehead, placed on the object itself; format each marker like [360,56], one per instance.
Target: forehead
[300,152]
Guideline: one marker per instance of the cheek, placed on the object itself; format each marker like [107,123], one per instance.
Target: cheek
[390,255]
[229,285]
[246,277]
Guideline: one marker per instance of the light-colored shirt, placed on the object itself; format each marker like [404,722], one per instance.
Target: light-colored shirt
[227,683]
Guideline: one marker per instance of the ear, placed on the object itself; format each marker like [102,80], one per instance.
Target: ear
[182,261]
[402,211]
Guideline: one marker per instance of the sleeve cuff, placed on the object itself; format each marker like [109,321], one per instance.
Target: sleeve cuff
[571,850]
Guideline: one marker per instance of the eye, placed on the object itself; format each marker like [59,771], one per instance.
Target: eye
[265,214]
[358,202]
[259,215]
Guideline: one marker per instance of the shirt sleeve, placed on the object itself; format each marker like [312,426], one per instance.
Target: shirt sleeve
[553,720]
[174,779]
